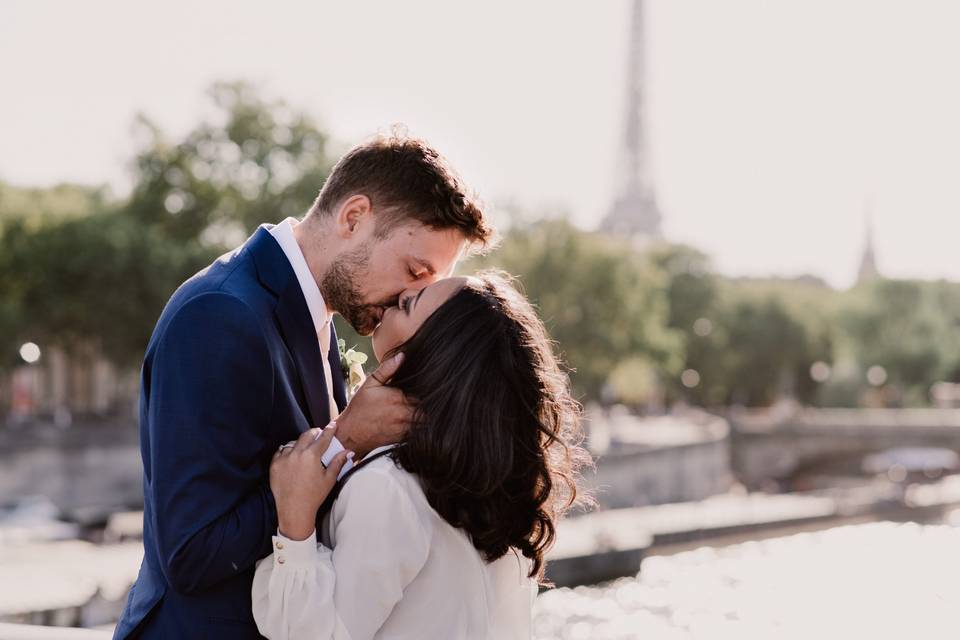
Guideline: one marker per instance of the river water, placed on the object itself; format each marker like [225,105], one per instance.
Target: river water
[872,581]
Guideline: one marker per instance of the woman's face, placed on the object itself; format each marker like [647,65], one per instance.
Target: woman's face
[414,307]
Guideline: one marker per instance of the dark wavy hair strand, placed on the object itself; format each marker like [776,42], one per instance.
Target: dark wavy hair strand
[496,434]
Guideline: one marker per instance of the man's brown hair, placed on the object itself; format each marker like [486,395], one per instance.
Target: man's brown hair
[405,180]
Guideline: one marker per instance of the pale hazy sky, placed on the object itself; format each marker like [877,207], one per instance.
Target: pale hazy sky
[772,121]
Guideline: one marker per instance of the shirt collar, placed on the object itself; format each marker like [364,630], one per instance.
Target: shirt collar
[283,234]
[385,447]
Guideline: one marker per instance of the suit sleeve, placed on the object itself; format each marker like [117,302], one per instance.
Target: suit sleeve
[211,393]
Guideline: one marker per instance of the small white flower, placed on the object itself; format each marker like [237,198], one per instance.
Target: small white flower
[351,363]
[356,377]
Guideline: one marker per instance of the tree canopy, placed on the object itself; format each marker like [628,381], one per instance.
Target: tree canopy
[652,327]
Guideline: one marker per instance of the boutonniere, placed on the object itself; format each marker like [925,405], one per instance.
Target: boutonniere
[351,365]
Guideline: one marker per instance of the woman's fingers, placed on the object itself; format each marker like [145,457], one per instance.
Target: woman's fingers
[284,448]
[387,369]
[320,444]
[335,466]
[306,439]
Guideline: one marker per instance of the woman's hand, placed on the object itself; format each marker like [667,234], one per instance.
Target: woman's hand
[300,483]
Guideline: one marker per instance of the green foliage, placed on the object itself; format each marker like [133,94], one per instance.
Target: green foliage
[37,206]
[910,329]
[262,164]
[354,340]
[27,214]
[691,284]
[78,269]
[749,341]
[776,330]
[636,382]
[770,351]
[10,315]
[692,297]
[602,302]
[100,280]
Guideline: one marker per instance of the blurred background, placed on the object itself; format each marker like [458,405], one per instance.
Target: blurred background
[738,221]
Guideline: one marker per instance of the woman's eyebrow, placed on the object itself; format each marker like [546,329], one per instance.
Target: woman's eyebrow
[417,299]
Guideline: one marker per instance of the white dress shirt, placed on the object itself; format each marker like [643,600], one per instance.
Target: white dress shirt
[283,234]
[388,566]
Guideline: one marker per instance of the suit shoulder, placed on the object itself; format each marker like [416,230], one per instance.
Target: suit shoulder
[208,314]
[217,304]
[231,276]
[232,271]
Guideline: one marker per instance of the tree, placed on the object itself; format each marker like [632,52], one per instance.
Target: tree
[691,289]
[909,329]
[36,206]
[29,271]
[799,310]
[77,268]
[769,352]
[264,163]
[602,302]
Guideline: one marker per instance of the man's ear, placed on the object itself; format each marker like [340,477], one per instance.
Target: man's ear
[352,214]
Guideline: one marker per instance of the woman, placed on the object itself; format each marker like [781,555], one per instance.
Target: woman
[443,536]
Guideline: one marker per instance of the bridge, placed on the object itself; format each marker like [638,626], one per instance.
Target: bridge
[768,445]
[29,632]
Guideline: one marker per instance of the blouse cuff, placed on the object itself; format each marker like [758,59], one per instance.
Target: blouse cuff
[333,449]
[297,553]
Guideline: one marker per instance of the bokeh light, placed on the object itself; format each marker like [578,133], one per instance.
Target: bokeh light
[876,375]
[703,327]
[30,352]
[820,371]
[690,378]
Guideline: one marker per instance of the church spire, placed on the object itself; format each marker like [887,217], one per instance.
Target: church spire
[635,212]
[868,262]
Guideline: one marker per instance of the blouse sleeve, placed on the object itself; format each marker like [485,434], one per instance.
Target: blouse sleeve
[305,590]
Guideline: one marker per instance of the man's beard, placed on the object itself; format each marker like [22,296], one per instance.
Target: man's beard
[342,294]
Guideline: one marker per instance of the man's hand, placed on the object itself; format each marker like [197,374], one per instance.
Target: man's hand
[377,415]
[300,483]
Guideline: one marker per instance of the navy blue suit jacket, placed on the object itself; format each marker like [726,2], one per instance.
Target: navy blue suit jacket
[232,371]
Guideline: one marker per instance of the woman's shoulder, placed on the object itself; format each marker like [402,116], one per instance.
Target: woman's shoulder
[380,483]
[379,467]
[380,501]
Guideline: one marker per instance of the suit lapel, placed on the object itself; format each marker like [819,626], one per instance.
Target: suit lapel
[301,338]
[293,316]
[336,370]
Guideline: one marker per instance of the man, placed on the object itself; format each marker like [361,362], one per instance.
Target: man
[244,358]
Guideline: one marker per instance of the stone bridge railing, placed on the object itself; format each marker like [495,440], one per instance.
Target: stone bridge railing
[31,632]
[767,445]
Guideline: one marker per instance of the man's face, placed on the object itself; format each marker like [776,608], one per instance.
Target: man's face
[364,281]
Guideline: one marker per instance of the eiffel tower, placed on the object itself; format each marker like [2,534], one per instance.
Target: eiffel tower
[634,213]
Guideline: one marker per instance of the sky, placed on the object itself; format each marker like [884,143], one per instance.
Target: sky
[775,125]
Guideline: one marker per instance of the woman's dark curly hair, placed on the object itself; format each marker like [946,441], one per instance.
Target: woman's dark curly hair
[496,434]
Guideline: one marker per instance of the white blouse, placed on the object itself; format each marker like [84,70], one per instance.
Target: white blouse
[388,566]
